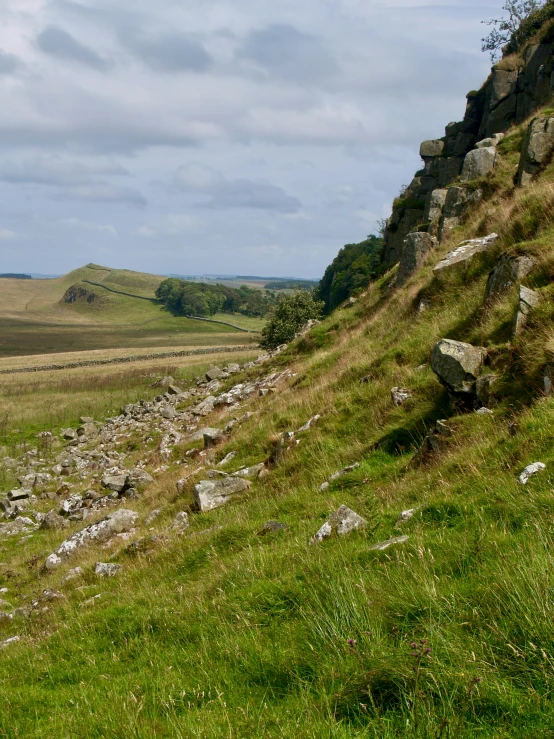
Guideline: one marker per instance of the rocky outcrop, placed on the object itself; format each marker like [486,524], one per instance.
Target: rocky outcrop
[210,494]
[459,200]
[457,365]
[342,521]
[464,253]
[512,92]
[537,151]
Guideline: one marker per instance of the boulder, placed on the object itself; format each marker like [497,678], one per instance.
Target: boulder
[71,504]
[210,494]
[416,248]
[434,207]
[90,430]
[69,434]
[215,373]
[457,365]
[478,163]
[400,395]
[464,253]
[483,387]
[271,527]
[250,472]
[180,523]
[117,522]
[531,470]
[212,437]
[431,148]
[115,481]
[19,494]
[308,425]
[139,479]
[174,390]
[342,521]
[528,299]
[204,407]
[537,150]
[106,569]
[53,520]
[199,435]
[168,412]
[508,272]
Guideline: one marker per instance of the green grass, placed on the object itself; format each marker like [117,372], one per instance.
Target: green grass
[226,633]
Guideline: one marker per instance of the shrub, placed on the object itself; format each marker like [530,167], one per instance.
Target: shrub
[288,317]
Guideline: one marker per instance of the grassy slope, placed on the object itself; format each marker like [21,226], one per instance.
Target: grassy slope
[229,634]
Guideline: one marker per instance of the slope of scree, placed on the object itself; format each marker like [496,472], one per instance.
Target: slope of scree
[349,537]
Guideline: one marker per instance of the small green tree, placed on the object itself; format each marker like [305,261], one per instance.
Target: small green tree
[505,29]
[289,315]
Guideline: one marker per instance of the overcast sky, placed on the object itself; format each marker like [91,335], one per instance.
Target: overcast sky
[219,136]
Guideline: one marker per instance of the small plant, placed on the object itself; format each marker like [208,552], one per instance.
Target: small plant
[505,29]
[421,656]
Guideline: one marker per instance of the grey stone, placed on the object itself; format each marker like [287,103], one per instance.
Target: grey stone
[465,252]
[10,640]
[215,373]
[228,458]
[181,522]
[19,494]
[537,149]
[271,527]
[212,437]
[117,522]
[478,163]
[431,148]
[71,504]
[308,425]
[199,435]
[491,141]
[204,407]
[433,209]
[484,412]
[168,412]
[174,390]
[210,494]
[388,543]
[528,299]
[21,525]
[53,520]
[457,365]
[69,434]
[400,395]
[90,430]
[507,273]
[250,472]
[407,514]
[414,253]
[458,202]
[343,521]
[139,479]
[531,470]
[106,569]
[115,481]
[483,386]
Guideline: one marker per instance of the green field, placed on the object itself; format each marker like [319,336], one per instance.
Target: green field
[34,318]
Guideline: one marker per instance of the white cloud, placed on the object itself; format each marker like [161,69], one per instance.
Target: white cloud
[7,235]
[98,227]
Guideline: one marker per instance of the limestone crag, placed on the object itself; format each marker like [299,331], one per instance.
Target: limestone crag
[467,151]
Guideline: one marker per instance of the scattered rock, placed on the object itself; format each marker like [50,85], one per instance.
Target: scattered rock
[389,542]
[508,272]
[210,494]
[138,479]
[341,522]
[168,412]
[528,299]
[400,395]
[116,481]
[69,434]
[215,374]
[531,470]
[407,515]
[484,412]
[228,458]
[152,516]
[10,640]
[73,574]
[250,472]
[483,388]
[457,365]
[337,475]
[415,251]
[309,424]
[464,253]
[180,522]
[271,527]
[106,569]
[211,437]
[478,163]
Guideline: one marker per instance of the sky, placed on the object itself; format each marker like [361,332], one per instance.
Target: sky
[248,137]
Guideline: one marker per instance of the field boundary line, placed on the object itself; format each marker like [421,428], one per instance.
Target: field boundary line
[124,360]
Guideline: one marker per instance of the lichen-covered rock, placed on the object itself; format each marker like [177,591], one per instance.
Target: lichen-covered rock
[342,521]
[478,163]
[400,395]
[180,523]
[531,470]
[416,248]
[117,522]
[459,200]
[507,273]
[250,472]
[215,373]
[537,150]
[464,253]
[389,542]
[434,207]
[53,520]
[528,299]
[139,479]
[106,569]
[115,481]
[210,494]
[431,148]
[457,365]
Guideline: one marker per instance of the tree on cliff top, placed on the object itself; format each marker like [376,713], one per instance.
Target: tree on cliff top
[505,29]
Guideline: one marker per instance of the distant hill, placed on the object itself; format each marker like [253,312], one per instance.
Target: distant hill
[15,276]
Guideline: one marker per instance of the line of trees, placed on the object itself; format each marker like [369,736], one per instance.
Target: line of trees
[200,299]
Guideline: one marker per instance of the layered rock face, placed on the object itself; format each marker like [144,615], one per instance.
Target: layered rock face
[467,152]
